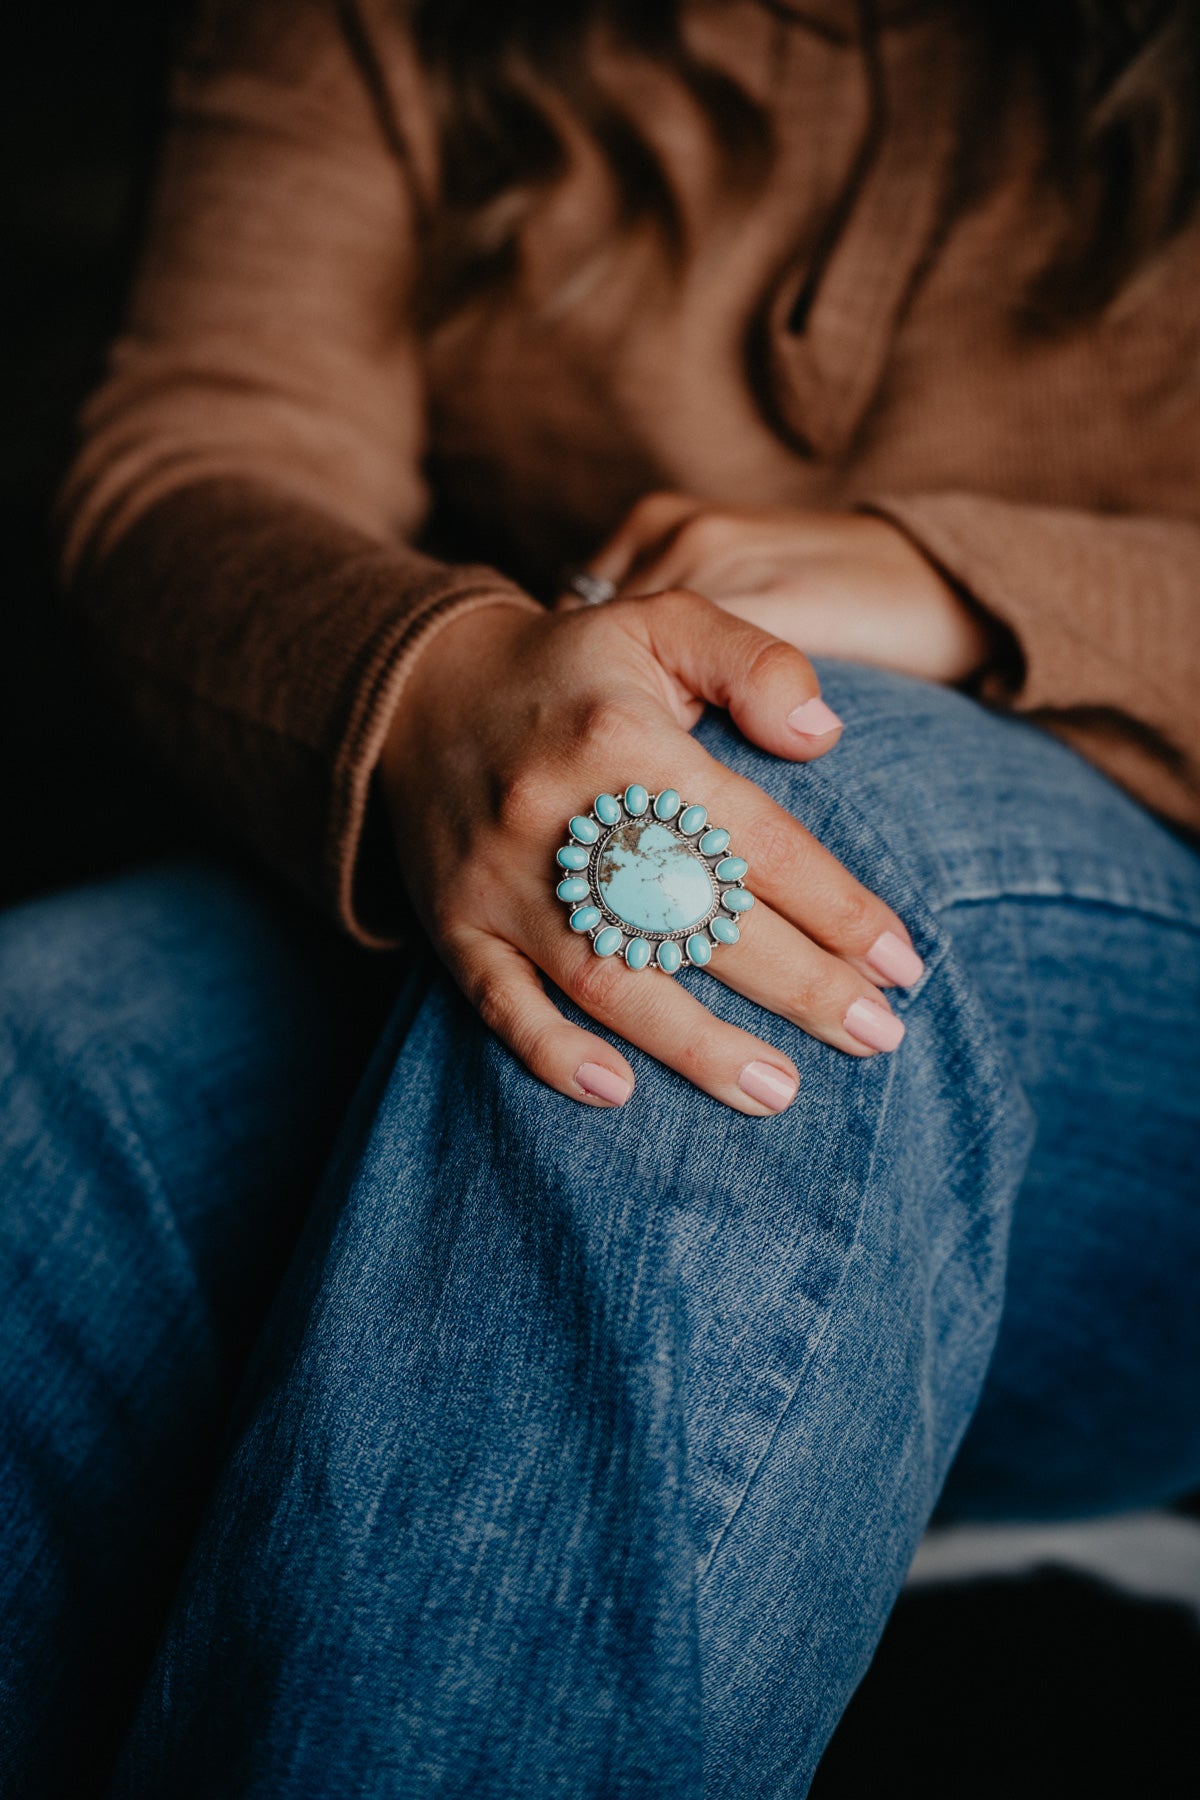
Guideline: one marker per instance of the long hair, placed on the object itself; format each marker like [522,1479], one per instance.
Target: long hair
[1120,80]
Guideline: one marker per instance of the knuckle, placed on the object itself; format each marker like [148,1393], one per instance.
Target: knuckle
[854,915]
[604,726]
[811,994]
[494,1001]
[524,801]
[645,514]
[779,847]
[677,608]
[592,983]
[770,659]
[445,919]
[692,1061]
[704,533]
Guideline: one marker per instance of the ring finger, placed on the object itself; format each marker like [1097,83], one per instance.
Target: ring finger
[656,1013]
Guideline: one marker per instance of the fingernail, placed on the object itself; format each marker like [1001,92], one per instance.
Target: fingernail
[814,719]
[768,1085]
[603,1084]
[873,1025]
[895,960]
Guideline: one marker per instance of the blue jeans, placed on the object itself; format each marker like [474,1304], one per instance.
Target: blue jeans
[583,1453]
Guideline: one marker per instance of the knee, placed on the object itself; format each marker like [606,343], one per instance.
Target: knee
[931,798]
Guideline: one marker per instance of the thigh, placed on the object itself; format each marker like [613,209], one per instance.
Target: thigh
[1091,1398]
[1076,918]
[174,1046]
[586,1450]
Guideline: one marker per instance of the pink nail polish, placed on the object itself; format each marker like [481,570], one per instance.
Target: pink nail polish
[768,1085]
[603,1084]
[873,1025]
[814,719]
[895,960]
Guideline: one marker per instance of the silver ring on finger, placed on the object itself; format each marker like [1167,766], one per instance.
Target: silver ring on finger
[647,877]
[593,590]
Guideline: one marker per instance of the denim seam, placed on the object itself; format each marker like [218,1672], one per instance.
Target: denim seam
[1170,908]
[815,1341]
[1161,914]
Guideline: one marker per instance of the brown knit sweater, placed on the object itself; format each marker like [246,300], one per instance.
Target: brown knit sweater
[277,425]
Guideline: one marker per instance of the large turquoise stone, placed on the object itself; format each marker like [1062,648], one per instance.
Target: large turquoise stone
[724,930]
[607,942]
[669,956]
[737,900]
[667,804]
[583,829]
[713,842]
[572,856]
[699,949]
[573,888]
[652,880]
[730,868]
[584,917]
[608,809]
[636,799]
[693,819]
[637,953]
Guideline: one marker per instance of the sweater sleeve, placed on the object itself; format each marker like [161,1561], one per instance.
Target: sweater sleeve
[1103,612]
[239,520]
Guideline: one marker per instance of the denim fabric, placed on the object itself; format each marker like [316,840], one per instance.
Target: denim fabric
[584,1452]
[174,1053]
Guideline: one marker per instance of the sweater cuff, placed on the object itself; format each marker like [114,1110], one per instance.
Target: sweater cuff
[360,874]
[934,525]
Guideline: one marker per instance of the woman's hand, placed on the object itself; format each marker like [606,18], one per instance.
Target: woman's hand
[833,584]
[511,724]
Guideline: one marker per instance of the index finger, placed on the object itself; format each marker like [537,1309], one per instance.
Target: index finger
[804,882]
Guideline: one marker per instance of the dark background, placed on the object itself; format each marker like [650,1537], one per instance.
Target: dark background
[1050,1685]
[81,98]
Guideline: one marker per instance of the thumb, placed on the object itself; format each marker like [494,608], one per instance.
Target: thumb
[768,687]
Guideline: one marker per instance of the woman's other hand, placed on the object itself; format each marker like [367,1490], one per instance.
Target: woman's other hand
[833,584]
[512,724]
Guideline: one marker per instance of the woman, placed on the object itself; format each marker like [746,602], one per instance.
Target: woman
[640,1325]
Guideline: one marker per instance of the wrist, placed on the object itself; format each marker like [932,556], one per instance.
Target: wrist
[447,664]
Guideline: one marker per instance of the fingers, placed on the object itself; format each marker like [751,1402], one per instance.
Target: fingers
[507,992]
[805,883]
[767,686]
[655,1012]
[640,535]
[782,970]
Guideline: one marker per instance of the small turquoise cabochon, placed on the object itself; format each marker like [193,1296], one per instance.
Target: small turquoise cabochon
[608,941]
[573,888]
[637,953]
[636,799]
[669,956]
[737,900]
[608,809]
[714,842]
[693,819]
[572,856]
[584,830]
[667,804]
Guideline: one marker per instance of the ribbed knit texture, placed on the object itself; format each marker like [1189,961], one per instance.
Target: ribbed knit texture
[257,466]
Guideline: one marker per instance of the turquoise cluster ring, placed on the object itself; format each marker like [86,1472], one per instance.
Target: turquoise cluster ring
[646,876]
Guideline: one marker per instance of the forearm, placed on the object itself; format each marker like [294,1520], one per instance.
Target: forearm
[260,648]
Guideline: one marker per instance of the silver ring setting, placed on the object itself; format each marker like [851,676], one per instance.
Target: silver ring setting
[593,590]
[646,876]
